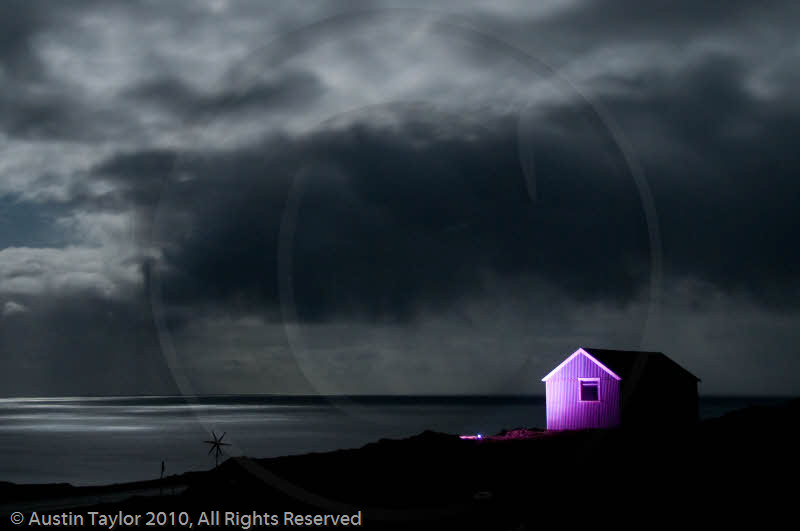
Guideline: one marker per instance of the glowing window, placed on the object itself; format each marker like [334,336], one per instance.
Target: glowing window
[590,390]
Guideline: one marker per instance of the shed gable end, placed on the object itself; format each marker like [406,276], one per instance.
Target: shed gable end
[581,364]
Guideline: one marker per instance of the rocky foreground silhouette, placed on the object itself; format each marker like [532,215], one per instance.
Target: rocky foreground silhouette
[738,468]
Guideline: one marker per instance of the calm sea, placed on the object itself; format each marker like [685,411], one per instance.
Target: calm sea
[88,441]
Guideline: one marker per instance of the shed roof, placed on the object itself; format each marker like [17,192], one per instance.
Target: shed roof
[622,364]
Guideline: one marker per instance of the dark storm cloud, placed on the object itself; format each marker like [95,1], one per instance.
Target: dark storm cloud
[585,26]
[21,21]
[18,23]
[139,175]
[53,349]
[395,219]
[417,216]
[35,102]
[29,115]
[667,18]
[723,167]
[289,90]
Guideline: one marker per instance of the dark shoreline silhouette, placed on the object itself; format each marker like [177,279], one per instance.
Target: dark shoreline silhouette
[741,465]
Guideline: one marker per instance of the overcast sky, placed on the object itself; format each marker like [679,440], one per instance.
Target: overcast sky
[343,197]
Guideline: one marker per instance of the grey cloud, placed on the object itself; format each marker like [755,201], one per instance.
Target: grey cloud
[63,271]
[13,308]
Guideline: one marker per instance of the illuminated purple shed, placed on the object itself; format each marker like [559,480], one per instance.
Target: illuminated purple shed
[600,388]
